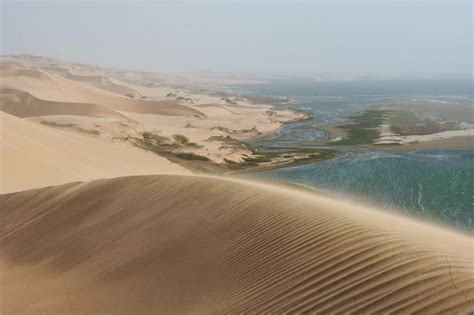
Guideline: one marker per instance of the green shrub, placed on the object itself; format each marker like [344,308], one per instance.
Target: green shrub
[256,159]
[231,162]
[191,156]
[180,139]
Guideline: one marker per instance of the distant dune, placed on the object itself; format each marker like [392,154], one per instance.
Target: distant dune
[49,87]
[122,106]
[99,81]
[192,244]
[23,104]
[34,156]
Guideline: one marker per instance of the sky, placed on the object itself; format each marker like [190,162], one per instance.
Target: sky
[385,38]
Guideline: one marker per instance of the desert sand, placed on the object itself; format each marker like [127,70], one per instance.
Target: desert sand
[68,96]
[388,138]
[33,155]
[173,244]
[79,234]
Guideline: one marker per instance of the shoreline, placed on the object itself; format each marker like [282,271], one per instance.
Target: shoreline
[205,130]
[457,142]
[280,165]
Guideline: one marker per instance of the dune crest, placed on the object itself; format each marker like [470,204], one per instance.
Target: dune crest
[174,244]
[50,87]
[23,104]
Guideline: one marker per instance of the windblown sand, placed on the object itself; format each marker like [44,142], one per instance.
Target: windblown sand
[172,244]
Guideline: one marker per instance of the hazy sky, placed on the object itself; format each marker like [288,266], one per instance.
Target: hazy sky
[419,38]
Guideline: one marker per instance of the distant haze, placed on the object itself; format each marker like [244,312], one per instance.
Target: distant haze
[387,38]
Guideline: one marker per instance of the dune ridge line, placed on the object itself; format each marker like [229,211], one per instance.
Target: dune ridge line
[204,244]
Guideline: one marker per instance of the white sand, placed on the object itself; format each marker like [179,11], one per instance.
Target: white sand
[391,138]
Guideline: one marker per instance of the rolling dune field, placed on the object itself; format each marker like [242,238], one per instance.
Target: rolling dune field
[50,87]
[174,244]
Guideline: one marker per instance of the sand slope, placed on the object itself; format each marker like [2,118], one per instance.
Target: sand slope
[49,87]
[190,244]
[23,104]
[32,155]
[71,96]
[99,81]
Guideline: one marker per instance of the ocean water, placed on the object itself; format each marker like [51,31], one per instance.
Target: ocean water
[435,185]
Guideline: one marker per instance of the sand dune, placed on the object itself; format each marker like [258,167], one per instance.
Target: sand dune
[100,81]
[23,104]
[34,156]
[32,88]
[9,64]
[190,244]
[49,87]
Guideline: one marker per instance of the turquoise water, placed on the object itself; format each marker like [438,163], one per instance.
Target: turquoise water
[436,185]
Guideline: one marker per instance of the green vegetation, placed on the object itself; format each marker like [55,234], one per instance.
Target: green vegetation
[162,146]
[403,117]
[364,127]
[248,161]
[180,139]
[321,155]
[231,162]
[172,149]
[406,122]
[153,138]
[363,130]
[183,141]
[154,143]
[401,120]
[256,159]
[191,156]
[291,157]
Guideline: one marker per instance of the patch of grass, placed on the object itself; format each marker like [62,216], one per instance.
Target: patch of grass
[191,156]
[406,122]
[298,157]
[363,130]
[247,162]
[153,138]
[256,159]
[156,147]
[157,144]
[396,129]
[180,139]
[233,165]
[401,119]
[231,162]
[184,141]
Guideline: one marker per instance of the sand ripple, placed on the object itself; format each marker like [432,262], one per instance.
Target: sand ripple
[191,244]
